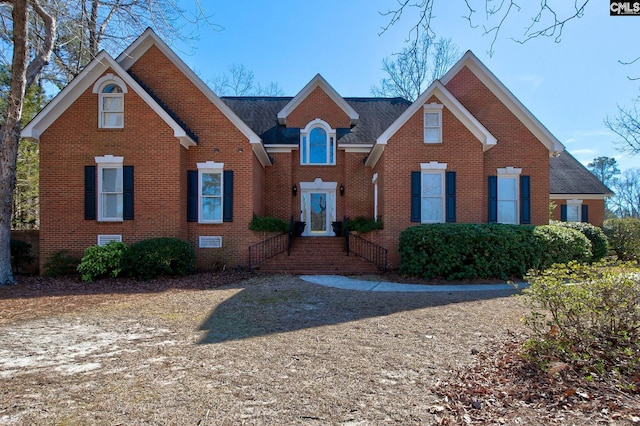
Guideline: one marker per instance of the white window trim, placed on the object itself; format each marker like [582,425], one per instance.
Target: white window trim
[434,168]
[210,167]
[107,162]
[432,108]
[575,203]
[98,87]
[511,173]
[331,146]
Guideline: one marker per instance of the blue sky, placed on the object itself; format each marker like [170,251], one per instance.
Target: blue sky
[570,86]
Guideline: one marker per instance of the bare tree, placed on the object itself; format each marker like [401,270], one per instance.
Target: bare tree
[546,18]
[626,124]
[23,74]
[626,203]
[411,71]
[239,81]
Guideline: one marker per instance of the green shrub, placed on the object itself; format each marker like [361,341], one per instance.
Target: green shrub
[467,251]
[363,225]
[559,244]
[20,254]
[471,251]
[599,243]
[159,256]
[60,264]
[624,237]
[587,316]
[101,261]
[268,224]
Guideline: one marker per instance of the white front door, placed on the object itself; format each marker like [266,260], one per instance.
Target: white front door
[318,207]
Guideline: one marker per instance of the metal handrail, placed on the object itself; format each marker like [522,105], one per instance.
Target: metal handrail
[268,248]
[364,248]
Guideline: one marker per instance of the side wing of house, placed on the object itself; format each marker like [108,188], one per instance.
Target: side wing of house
[138,147]
[577,194]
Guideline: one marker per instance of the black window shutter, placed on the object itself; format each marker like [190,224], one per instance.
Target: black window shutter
[450,191]
[416,196]
[192,196]
[525,200]
[585,213]
[563,212]
[127,192]
[493,199]
[227,196]
[89,192]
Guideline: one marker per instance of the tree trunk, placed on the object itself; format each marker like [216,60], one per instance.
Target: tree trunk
[11,135]
[21,77]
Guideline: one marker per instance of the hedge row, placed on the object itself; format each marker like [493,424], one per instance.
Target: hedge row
[470,251]
[146,259]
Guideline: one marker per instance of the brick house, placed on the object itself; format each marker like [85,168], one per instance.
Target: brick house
[138,147]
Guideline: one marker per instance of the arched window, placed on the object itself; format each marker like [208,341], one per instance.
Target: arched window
[318,144]
[111,90]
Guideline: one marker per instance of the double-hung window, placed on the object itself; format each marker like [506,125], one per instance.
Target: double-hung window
[432,202]
[433,123]
[433,194]
[318,144]
[110,188]
[508,195]
[210,196]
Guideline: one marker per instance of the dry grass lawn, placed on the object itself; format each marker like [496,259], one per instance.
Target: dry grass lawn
[230,349]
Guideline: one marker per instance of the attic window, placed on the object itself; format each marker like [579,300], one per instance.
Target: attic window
[110,90]
[433,123]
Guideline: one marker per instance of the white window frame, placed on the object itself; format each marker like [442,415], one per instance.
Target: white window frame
[509,173]
[210,167]
[98,87]
[305,143]
[434,168]
[577,204]
[436,109]
[109,162]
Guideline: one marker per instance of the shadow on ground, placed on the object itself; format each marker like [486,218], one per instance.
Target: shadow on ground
[284,303]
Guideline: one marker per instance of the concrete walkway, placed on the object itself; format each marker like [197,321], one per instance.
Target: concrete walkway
[345,283]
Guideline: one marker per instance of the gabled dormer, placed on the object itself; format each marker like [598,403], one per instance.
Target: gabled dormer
[318,100]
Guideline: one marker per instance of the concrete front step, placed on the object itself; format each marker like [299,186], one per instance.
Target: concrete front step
[318,255]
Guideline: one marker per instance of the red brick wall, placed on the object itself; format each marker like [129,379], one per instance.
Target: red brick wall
[218,140]
[516,147]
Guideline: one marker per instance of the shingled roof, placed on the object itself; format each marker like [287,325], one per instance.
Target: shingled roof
[568,176]
[260,114]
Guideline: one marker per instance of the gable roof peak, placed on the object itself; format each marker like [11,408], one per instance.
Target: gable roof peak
[480,70]
[148,39]
[318,81]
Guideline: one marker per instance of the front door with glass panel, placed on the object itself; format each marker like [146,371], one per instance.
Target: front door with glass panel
[318,210]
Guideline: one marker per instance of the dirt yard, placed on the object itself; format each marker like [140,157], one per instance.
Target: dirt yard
[231,348]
